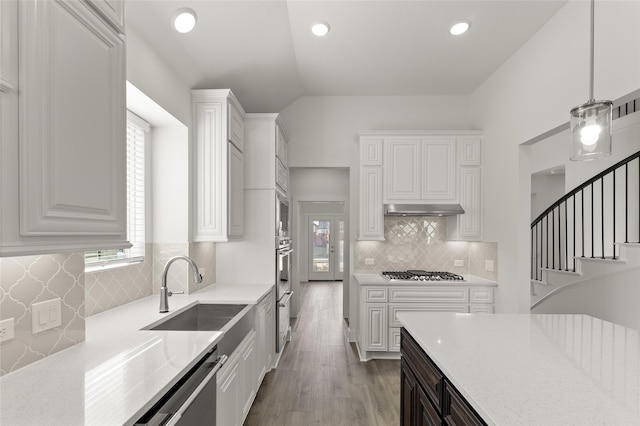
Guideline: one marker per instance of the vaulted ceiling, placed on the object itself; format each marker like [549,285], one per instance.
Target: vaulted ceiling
[264,50]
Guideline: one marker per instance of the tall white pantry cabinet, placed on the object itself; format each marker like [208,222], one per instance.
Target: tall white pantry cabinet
[63,136]
[429,167]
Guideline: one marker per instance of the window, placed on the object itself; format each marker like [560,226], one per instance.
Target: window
[137,130]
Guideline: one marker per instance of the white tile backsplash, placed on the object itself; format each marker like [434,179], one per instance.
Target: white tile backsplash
[420,243]
[26,280]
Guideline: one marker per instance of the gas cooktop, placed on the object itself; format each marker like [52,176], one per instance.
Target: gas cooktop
[420,275]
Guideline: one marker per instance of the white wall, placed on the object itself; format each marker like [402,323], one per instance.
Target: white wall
[152,76]
[170,183]
[545,190]
[531,94]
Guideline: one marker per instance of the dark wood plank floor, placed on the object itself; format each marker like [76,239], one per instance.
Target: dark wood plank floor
[320,379]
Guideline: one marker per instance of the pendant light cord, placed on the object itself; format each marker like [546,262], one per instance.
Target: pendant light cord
[591,98]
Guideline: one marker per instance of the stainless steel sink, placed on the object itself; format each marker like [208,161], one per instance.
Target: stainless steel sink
[234,320]
[201,317]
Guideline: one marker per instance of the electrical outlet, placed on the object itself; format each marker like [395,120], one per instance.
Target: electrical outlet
[488,265]
[458,262]
[369,261]
[202,272]
[6,330]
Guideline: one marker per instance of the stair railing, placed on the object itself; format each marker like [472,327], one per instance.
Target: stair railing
[589,220]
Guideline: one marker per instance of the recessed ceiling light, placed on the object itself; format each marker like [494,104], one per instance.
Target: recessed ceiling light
[320,29]
[184,20]
[460,27]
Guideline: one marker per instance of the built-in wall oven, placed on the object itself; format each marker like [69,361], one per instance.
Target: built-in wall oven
[283,272]
[283,291]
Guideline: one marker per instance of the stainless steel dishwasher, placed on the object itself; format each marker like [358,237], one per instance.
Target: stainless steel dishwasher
[192,400]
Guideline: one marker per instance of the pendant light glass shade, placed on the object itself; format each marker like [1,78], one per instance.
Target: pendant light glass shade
[591,130]
[591,122]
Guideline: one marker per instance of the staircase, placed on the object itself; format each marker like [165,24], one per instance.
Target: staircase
[588,239]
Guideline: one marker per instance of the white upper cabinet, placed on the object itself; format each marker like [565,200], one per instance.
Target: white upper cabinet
[111,11]
[236,125]
[402,170]
[218,181]
[282,145]
[438,169]
[469,152]
[419,169]
[371,151]
[63,130]
[236,192]
[266,154]
[371,226]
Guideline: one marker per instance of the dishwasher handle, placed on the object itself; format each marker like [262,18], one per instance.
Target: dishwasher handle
[184,407]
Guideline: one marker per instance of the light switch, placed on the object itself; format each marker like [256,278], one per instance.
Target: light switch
[458,262]
[6,329]
[369,261]
[46,315]
[488,265]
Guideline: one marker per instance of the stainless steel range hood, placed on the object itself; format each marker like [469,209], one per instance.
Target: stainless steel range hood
[423,209]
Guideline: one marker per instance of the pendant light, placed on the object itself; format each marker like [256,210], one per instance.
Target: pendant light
[591,122]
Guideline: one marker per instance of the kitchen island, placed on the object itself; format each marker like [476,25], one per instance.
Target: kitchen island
[119,371]
[525,369]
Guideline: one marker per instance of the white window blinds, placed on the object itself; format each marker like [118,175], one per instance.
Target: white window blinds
[137,130]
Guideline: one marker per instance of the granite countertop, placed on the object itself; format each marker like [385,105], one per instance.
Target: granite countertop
[119,371]
[377,279]
[536,369]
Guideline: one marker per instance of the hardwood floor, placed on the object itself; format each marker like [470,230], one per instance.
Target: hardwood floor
[320,379]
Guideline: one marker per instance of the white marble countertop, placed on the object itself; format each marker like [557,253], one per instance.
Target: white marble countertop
[119,371]
[536,369]
[377,279]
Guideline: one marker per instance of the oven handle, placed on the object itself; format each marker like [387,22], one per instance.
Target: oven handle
[219,363]
[285,299]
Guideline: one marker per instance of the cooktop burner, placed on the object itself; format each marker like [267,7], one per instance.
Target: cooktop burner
[420,275]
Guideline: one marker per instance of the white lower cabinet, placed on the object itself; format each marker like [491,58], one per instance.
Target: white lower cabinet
[249,374]
[379,324]
[227,412]
[376,329]
[237,384]
[265,336]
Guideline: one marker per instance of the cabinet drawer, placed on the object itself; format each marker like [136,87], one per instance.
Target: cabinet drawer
[427,374]
[481,295]
[457,410]
[375,295]
[394,340]
[429,294]
[405,307]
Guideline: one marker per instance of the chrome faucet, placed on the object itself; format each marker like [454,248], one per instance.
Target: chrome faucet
[164,291]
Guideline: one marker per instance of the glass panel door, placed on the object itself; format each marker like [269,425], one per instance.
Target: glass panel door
[326,248]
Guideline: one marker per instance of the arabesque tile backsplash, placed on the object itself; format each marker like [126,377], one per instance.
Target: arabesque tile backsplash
[420,243]
[30,279]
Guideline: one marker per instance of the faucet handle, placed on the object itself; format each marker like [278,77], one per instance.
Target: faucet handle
[174,292]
